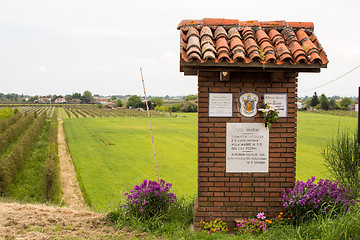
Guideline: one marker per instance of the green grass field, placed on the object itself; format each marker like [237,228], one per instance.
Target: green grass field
[111,155]
[314,133]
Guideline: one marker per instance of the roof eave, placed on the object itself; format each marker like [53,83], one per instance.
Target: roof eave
[195,66]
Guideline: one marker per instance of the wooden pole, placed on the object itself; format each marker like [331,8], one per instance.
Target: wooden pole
[152,137]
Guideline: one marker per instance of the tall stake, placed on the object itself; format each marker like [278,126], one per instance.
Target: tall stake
[152,137]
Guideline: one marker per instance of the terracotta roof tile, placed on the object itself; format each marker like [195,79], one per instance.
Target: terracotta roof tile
[207,39]
[231,40]
[206,31]
[233,32]
[220,32]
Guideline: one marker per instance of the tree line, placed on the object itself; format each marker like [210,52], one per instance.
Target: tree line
[325,103]
[157,103]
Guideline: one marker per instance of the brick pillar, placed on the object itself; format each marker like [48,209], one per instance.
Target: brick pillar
[230,196]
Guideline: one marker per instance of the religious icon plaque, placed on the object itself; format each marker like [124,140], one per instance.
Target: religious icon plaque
[248,104]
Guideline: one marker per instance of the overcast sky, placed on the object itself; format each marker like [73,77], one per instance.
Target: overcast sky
[68,46]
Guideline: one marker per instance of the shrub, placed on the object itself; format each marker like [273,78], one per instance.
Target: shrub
[308,199]
[6,123]
[342,159]
[149,199]
[162,108]
[189,106]
[175,107]
[214,226]
[11,134]
[6,113]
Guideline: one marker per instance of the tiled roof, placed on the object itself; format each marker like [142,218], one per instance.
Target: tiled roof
[275,43]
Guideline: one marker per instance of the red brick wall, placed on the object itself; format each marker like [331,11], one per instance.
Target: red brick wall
[230,196]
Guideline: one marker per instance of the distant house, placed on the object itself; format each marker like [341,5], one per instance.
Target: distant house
[103,101]
[60,100]
[111,105]
[300,106]
[43,100]
[354,107]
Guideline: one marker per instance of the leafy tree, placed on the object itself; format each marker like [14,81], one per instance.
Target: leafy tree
[191,97]
[345,102]
[76,96]
[158,101]
[150,105]
[68,97]
[87,97]
[134,102]
[308,103]
[189,106]
[54,97]
[333,105]
[175,107]
[32,99]
[314,100]
[119,103]
[324,102]
[113,98]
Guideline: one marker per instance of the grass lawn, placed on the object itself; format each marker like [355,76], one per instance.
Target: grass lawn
[111,155]
[313,133]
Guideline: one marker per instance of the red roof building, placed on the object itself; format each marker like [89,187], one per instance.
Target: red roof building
[252,62]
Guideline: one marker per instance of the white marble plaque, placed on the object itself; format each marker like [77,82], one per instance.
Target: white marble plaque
[220,104]
[279,101]
[247,147]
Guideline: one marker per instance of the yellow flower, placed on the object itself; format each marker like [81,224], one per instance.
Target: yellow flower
[281,213]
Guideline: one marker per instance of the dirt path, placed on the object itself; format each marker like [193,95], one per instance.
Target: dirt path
[69,183]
